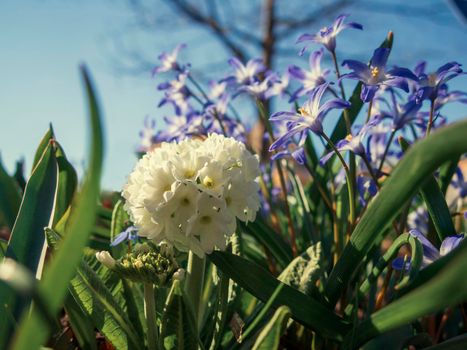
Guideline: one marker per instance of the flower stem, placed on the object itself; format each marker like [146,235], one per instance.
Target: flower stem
[268,126]
[350,188]
[348,124]
[386,150]
[430,120]
[194,281]
[370,170]
[150,313]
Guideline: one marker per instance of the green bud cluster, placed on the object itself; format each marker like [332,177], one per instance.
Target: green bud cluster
[147,263]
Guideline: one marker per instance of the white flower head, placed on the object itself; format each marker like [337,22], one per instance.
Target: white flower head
[190,193]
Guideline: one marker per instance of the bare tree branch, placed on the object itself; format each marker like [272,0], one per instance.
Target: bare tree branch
[196,16]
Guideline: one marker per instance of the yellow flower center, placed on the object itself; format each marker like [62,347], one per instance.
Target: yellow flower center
[208,182]
[189,174]
[349,137]
[374,72]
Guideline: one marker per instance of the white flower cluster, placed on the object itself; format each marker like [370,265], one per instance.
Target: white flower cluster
[189,193]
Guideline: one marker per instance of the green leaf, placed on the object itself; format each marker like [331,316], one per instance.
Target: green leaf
[262,285]
[10,198]
[32,331]
[107,316]
[27,237]
[420,161]
[435,203]
[49,135]
[19,174]
[444,290]
[456,343]
[178,328]
[270,336]
[304,270]
[446,173]
[67,183]
[220,311]
[82,328]
[270,239]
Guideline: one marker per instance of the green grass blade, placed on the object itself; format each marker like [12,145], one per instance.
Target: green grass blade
[10,198]
[262,285]
[421,160]
[435,203]
[32,331]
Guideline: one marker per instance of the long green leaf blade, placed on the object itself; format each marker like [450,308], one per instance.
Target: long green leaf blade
[53,288]
[10,198]
[270,336]
[262,285]
[421,160]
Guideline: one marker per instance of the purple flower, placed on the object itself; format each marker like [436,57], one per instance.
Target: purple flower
[444,97]
[327,35]
[375,75]
[430,84]
[130,234]
[176,92]
[217,89]
[169,61]
[353,142]
[401,115]
[308,117]
[311,78]
[261,89]
[245,74]
[147,135]
[430,252]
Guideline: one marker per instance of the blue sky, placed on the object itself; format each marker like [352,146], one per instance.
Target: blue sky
[43,42]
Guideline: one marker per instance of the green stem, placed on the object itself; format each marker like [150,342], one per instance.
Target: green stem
[348,124]
[386,150]
[195,281]
[350,188]
[288,214]
[370,170]
[150,313]
[430,121]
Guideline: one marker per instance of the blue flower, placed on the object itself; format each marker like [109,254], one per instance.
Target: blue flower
[261,89]
[430,84]
[169,61]
[401,115]
[245,74]
[430,252]
[327,35]
[311,78]
[353,142]
[309,117]
[374,75]
[176,92]
[130,234]
[147,135]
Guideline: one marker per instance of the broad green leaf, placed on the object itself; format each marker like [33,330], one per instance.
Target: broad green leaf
[19,174]
[446,173]
[435,203]
[270,239]
[82,328]
[67,183]
[420,161]
[220,311]
[304,270]
[262,285]
[178,328]
[27,237]
[10,198]
[96,300]
[49,135]
[446,289]
[269,338]
[32,332]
